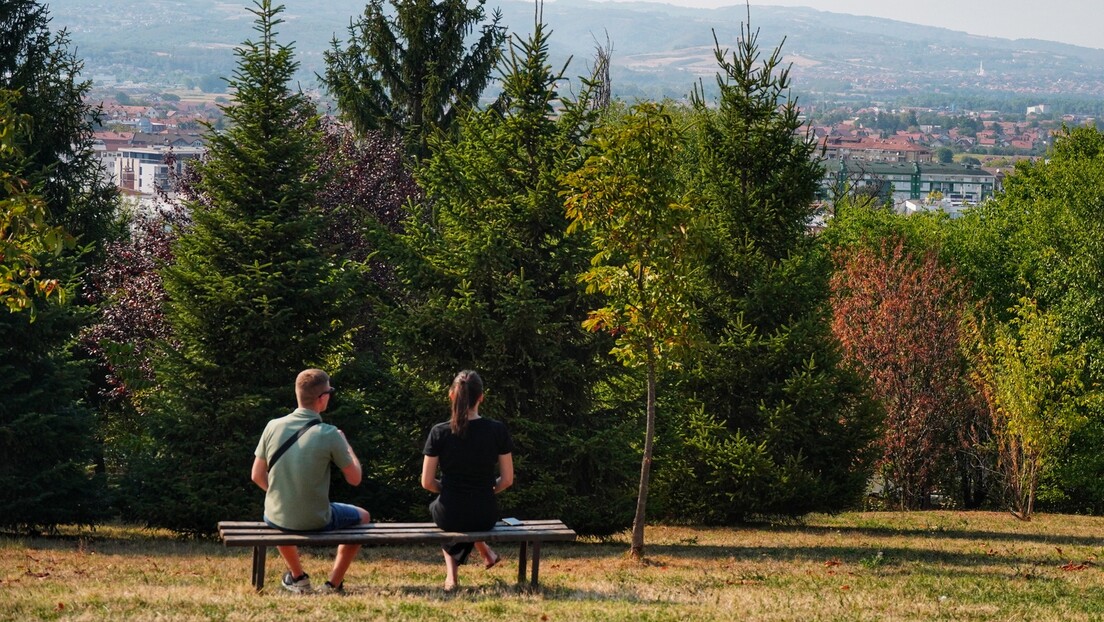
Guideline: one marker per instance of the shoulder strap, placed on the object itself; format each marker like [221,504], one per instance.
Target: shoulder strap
[291,441]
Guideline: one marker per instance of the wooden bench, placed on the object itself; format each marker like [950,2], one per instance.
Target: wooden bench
[530,534]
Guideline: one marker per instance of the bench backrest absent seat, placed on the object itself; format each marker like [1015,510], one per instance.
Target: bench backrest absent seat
[530,534]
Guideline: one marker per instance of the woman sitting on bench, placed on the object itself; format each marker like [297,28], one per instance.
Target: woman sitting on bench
[467,448]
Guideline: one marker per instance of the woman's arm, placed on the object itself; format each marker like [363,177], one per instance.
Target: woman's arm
[429,474]
[505,472]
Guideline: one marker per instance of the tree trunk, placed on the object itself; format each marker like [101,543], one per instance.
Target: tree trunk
[637,551]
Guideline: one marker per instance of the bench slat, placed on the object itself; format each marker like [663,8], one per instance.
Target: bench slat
[334,539]
[256,533]
[263,525]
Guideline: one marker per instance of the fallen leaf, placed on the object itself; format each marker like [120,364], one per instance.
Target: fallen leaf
[845,587]
[60,607]
[832,562]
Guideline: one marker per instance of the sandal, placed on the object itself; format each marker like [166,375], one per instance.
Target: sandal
[494,562]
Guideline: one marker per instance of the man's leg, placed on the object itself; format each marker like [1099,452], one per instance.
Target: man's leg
[291,558]
[346,553]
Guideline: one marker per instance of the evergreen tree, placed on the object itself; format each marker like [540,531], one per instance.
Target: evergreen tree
[40,66]
[251,299]
[45,428]
[773,423]
[410,73]
[493,287]
[48,436]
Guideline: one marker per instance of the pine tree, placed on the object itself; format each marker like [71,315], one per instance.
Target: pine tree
[493,284]
[410,73]
[251,298]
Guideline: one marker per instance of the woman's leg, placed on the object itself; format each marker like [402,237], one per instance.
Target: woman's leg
[490,558]
[451,566]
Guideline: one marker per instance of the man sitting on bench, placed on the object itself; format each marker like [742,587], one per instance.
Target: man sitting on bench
[292,465]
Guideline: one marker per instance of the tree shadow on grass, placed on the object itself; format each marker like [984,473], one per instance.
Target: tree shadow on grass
[499,590]
[862,556]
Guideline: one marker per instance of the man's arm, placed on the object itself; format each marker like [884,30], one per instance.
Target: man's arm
[353,472]
[260,473]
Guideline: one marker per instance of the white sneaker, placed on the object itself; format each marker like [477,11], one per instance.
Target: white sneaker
[297,586]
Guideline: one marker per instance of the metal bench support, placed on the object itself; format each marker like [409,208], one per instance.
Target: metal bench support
[259,554]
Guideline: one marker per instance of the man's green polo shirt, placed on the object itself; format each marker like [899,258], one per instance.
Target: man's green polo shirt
[299,484]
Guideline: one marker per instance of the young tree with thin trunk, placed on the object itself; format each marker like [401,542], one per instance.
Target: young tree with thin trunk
[1032,383]
[25,231]
[629,199]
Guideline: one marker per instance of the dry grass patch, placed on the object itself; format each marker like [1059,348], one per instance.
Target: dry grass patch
[859,566]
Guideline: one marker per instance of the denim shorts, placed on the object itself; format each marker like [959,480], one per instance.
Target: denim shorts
[342,515]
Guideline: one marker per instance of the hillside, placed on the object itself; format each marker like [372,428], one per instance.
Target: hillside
[659,50]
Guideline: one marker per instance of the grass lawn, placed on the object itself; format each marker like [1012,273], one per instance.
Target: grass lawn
[856,566]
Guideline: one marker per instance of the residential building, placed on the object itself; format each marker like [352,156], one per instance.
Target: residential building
[868,149]
[149,170]
[916,181]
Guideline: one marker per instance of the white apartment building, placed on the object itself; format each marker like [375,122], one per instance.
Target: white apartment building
[147,170]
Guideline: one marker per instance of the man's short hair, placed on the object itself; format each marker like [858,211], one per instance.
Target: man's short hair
[310,383]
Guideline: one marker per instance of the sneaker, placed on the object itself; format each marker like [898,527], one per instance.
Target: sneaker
[330,588]
[298,586]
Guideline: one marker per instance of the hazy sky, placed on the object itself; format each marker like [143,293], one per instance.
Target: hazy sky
[1069,21]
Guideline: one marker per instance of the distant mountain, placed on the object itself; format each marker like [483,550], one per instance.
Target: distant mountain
[658,50]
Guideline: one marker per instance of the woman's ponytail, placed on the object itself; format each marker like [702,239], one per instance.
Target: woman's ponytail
[467,388]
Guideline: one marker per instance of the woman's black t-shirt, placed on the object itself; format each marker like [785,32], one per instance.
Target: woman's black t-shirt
[468,471]
[468,462]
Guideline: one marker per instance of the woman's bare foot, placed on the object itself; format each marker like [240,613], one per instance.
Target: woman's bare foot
[451,567]
[490,558]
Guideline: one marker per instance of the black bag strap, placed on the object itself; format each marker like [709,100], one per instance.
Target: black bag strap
[291,441]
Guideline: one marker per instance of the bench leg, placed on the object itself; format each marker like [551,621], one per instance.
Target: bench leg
[536,563]
[522,562]
[259,554]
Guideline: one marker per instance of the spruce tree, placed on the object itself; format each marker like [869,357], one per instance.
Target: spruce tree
[493,284]
[42,68]
[48,436]
[45,428]
[773,423]
[409,71]
[251,299]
